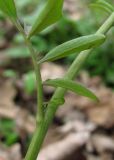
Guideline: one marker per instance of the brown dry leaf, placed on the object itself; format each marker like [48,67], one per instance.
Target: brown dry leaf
[13,153]
[7,93]
[62,149]
[25,121]
[103,112]
[77,126]
[74,9]
[51,71]
[8,109]
[102,143]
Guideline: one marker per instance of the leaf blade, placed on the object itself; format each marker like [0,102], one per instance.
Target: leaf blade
[106,4]
[8,8]
[72,86]
[50,14]
[74,46]
[101,4]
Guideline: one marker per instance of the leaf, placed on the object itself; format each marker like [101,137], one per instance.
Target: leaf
[50,14]
[99,6]
[103,5]
[74,46]
[7,130]
[106,4]
[17,52]
[9,73]
[8,8]
[11,138]
[72,86]
[29,82]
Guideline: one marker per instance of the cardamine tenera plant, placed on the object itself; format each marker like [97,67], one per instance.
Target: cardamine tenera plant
[81,47]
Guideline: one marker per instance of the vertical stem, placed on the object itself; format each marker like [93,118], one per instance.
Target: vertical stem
[39,85]
[40,132]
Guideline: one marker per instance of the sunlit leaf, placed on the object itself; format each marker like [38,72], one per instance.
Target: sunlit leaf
[51,13]
[8,8]
[106,4]
[72,86]
[74,46]
[103,5]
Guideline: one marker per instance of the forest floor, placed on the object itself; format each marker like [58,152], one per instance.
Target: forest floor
[81,130]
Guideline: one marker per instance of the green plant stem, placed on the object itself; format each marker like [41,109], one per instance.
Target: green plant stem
[41,130]
[40,114]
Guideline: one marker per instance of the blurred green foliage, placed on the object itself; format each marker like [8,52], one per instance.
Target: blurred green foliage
[29,82]
[7,133]
[99,63]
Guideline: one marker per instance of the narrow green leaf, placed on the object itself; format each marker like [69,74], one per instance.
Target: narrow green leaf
[72,86]
[74,46]
[106,4]
[8,8]
[103,5]
[51,13]
[100,7]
